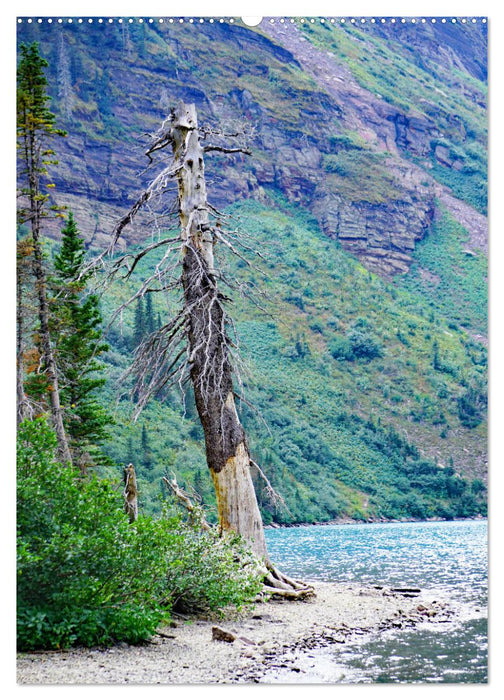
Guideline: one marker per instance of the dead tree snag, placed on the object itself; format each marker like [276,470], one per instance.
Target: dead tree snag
[130,493]
[196,342]
[227,451]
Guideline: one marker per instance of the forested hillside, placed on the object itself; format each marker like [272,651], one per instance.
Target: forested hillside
[365,357]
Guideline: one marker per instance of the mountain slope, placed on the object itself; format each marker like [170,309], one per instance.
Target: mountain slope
[359,387]
[366,187]
[347,122]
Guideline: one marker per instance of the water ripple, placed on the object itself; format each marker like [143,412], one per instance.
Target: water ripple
[445,557]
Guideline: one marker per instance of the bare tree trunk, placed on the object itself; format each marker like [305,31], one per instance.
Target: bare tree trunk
[227,450]
[21,403]
[203,323]
[47,351]
[130,493]
[33,159]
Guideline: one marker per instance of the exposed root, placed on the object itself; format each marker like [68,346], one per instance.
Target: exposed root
[289,594]
[279,585]
[275,583]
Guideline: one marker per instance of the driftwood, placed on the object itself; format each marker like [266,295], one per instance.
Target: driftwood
[221,635]
[279,585]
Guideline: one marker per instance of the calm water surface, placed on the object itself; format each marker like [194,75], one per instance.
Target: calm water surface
[447,558]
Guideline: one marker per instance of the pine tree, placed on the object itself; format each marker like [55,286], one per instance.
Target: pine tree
[149,315]
[146,449]
[139,328]
[35,129]
[77,329]
[103,95]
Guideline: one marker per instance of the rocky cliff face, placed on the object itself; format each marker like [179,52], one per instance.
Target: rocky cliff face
[383,232]
[371,167]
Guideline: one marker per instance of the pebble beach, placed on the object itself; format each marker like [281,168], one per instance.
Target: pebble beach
[276,641]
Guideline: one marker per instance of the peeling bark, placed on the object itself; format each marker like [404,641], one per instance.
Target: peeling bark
[236,500]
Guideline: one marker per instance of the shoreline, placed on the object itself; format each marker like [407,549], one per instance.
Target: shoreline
[350,521]
[275,642]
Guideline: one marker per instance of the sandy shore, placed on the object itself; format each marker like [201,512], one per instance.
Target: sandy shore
[277,641]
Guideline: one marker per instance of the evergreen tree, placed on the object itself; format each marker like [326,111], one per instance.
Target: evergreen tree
[149,315]
[103,95]
[139,328]
[146,449]
[35,128]
[77,329]
[436,362]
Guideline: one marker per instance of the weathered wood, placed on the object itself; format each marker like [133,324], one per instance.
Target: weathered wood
[222,635]
[203,324]
[130,493]
[227,450]
[47,350]
[196,515]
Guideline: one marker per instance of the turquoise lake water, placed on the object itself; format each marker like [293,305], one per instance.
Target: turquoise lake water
[447,558]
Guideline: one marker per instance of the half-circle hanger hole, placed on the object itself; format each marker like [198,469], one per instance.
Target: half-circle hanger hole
[252,21]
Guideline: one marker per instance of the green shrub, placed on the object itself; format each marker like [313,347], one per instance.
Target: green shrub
[472,405]
[341,348]
[208,571]
[363,344]
[86,576]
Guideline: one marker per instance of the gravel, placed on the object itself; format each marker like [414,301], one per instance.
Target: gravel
[272,642]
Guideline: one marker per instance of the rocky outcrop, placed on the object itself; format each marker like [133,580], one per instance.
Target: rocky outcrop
[382,235]
[414,134]
[300,101]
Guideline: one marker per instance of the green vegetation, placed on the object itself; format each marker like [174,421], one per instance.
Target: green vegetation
[76,328]
[35,132]
[396,74]
[357,380]
[360,175]
[87,577]
[364,398]
[451,275]
[84,576]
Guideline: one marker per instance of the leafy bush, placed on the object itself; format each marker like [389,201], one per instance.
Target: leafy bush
[208,572]
[341,348]
[364,345]
[86,576]
[358,343]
